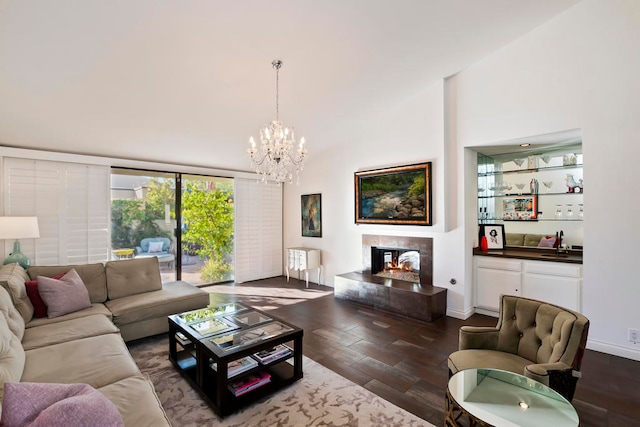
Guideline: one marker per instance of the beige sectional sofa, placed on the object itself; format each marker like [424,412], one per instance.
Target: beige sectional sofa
[128,301]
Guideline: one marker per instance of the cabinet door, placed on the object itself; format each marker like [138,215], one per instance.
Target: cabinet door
[493,278]
[558,284]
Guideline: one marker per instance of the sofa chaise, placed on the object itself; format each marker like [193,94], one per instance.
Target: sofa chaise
[126,300]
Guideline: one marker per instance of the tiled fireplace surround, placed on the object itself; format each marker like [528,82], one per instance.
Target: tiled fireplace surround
[421,301]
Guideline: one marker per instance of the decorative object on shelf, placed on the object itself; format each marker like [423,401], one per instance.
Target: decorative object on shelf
[311,215]
[532,162]
[571,184]
[15,228]
[484,244]
[581,211]
[558,212]
[546,158]
[520,187]
[548,185]
[518,162]
[276,160]
[494,235]
[533,185]
[398,195]
[569,159]
[569,212]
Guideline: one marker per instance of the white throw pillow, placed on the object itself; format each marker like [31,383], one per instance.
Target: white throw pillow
[155,247]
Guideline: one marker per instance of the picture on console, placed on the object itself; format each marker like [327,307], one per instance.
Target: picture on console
[398,195]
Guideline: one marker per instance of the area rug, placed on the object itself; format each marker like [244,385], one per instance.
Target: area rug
[321,398]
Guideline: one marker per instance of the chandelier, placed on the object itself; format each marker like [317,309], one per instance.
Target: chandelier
[276,159]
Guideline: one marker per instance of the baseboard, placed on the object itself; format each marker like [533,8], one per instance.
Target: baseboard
[614,349]
[459,314]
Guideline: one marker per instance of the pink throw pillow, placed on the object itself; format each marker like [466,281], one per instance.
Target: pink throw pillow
[63,296]
[39,307]
[56,405]
[547,242]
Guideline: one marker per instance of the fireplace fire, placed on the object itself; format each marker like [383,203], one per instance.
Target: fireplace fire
[396,263]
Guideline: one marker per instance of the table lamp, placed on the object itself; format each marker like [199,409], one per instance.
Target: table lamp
[18,227]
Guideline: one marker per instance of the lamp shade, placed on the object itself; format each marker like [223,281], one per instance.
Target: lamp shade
[19,227]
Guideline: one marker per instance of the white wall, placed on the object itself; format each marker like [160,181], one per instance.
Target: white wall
[579,70]
[406,133]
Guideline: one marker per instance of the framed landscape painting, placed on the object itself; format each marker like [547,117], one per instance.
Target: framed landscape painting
[397,195]
[311,215]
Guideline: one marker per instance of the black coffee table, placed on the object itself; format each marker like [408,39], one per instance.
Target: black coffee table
[218,336]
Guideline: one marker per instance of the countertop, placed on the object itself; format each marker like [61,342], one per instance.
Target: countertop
[535,254]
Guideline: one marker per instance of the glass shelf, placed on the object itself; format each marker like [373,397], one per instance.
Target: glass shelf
[534,170]
[496,196]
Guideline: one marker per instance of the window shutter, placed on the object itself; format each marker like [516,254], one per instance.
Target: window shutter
[258,230]
[72,204]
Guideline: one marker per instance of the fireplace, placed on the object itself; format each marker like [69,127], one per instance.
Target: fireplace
[404,258]
[396,263]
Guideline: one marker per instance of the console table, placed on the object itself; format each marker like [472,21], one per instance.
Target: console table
[303,259]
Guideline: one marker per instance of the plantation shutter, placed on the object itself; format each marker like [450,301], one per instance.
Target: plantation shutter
[72,204]
[258,230]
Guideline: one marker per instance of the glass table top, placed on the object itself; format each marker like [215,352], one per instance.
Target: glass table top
[505,398]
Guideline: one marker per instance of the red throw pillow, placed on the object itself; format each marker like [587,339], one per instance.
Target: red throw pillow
[39,307]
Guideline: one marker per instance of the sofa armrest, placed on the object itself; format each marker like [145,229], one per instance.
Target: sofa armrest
[138,250]
[478,337]
[558,376]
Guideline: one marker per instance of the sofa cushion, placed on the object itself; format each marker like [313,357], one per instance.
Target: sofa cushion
[175,297]
[68,330]
[14,320]
[12,356]
[97,361]
[514,239]
[57,405]
[63,296]
[12,278]
[132,276]
[137,401]
[96,308]
[93,277]
[532,239]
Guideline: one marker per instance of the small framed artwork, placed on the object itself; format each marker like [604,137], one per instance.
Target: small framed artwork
[520,208]
[311,215]
[494,234]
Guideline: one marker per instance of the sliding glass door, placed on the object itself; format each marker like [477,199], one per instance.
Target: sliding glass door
[186,221]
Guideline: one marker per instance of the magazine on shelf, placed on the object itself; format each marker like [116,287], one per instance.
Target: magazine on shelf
[238,366]
[250,382]
[182,339]
[275,353]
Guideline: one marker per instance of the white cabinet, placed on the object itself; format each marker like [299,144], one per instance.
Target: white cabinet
[494,277]
[303,259]
[553,282]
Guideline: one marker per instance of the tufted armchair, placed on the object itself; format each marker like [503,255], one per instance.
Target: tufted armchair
[533,338]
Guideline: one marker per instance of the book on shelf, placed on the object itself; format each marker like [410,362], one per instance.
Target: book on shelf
[182,339]
[278,352]
[250,382]
[238,366]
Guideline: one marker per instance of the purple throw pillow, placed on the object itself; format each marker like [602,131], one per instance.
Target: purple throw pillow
[57,405]
[547,242]
[65,295]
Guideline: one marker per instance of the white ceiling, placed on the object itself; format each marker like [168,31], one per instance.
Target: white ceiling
[187,82]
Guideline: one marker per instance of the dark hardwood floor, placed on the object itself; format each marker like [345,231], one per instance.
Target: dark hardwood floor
[405,361]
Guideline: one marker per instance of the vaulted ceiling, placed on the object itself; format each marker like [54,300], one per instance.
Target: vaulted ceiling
[187,82]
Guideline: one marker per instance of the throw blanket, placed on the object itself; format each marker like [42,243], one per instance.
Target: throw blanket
[56,405]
